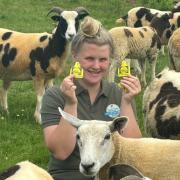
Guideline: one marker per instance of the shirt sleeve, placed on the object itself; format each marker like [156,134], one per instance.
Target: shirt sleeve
[52,99]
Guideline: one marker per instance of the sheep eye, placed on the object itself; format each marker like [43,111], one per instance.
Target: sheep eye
[107,136]
[77,137]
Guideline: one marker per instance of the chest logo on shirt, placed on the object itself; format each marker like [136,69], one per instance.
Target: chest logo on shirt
[112,111]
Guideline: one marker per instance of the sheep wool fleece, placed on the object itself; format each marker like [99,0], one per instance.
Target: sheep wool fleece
[104,108]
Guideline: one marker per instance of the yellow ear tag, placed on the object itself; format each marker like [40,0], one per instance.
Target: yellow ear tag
[123,70]
[77,71]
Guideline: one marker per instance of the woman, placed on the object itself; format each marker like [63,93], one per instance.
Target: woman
[88,98]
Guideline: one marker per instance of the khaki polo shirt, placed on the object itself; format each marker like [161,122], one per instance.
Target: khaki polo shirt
[106,105]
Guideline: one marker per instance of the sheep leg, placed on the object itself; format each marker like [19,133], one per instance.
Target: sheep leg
[136,67]
[143,70]
[48,83]
[39,90]
[153,67]
[112,71]
[162,51]
[3,95]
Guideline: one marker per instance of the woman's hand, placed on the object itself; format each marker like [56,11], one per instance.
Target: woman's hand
[67,88]
[132,87]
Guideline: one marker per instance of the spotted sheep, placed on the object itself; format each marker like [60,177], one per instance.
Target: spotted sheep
[25,170]
[141,16]
[134,43]
[101,146]
[37,56]
[161,105]
[174,50]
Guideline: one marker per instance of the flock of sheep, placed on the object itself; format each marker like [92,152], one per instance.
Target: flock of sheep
[141,40]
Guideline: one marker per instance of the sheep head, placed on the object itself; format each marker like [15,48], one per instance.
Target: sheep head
[95,141]
[67,21]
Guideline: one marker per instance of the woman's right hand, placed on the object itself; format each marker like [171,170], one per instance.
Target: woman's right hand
[67,88]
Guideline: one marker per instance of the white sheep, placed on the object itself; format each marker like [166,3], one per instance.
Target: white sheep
[25,170]
[161,105]
[135,43]
[100,145]
[174,50]
[37,56]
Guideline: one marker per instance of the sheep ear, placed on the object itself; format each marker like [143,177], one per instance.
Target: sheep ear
[55,18]
[71,119]
[82,12]
[118,123]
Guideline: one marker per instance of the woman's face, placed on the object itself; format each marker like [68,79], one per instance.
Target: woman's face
[95,61]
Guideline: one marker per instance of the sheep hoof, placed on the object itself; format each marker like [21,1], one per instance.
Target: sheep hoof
[37,117]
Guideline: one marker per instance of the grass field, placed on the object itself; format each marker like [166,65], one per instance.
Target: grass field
[20,136]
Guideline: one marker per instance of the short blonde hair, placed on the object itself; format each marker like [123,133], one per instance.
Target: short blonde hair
[91,31]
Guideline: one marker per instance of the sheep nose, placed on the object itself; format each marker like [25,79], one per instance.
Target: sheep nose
[71,36]
[87,166]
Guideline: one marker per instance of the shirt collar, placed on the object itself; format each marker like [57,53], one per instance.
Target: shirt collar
[105,88]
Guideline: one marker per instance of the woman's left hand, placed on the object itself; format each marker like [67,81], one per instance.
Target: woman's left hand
[131,87]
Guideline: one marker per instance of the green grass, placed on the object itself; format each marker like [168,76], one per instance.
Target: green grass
[21,138]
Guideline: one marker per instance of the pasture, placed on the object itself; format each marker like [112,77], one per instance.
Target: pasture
[21,137]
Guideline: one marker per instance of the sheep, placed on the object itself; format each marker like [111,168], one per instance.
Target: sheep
[141,16]
[101,146]
[161,105]
[134,43]
[125,172]
[176,7]
[25,170]
[174,50]
[37,56]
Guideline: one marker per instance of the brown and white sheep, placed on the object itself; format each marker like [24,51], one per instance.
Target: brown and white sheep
[100,145]
[134,43]
[25,170]
[161,105]
[174,50]
[37,56]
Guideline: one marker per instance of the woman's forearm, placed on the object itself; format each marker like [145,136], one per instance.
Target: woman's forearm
[132,128]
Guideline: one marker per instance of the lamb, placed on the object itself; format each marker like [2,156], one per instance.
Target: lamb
[100,145]
[37,56]
[134,43]
[25,170]
[161,105]
[174,50]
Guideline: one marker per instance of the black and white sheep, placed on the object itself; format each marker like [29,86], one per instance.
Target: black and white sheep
[174,50]
[161,105]
[100,145]
[37,56]
[25,170]
[134,43]
[141,16]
